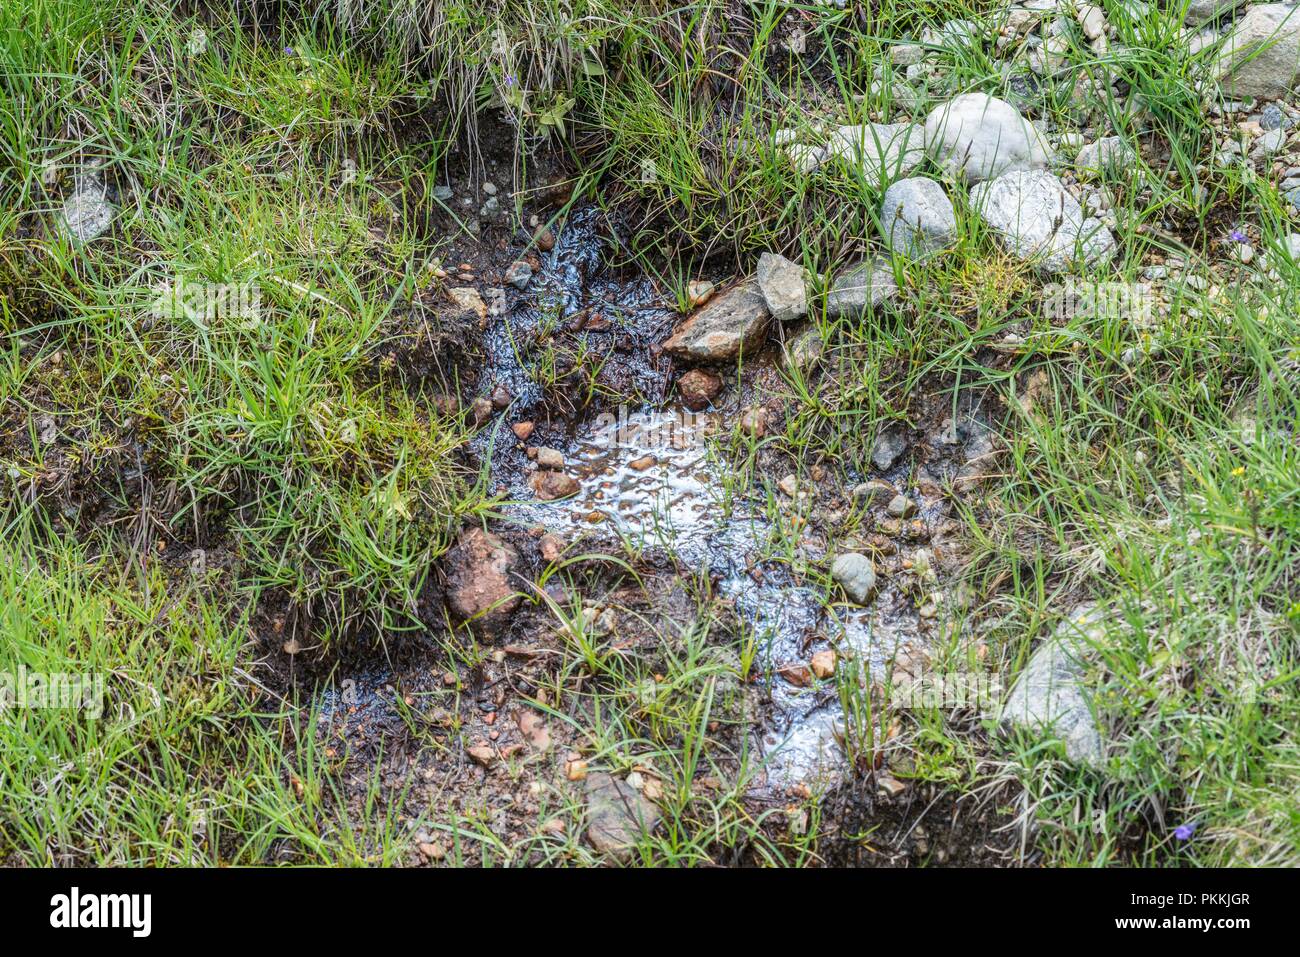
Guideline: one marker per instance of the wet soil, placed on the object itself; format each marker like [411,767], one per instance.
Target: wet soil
[575,357]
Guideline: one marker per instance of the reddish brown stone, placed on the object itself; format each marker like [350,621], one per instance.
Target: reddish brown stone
[698,388]
[479,585]
[551,485]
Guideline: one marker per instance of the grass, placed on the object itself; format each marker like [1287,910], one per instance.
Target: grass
[185,488]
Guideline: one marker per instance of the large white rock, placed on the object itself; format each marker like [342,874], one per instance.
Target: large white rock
[917,217]
[1037,220]
[1261,56]
[979,137]
[882,152]
[1050,697]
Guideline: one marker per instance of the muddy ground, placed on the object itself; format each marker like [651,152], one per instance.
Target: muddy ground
[576,358]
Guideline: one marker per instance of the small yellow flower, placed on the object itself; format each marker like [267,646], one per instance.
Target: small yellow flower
[1239,471]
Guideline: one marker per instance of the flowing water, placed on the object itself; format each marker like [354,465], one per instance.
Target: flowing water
[649,474]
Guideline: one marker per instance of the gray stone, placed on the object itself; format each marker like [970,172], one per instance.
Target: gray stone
[1288,250]
[900,506]
[917,217]
[856,575]
[804,352]
[1092,19]
[882,152]
[1203,11]
[979,137]
[860,289]
[782,285]
[954,35]
[729,323]
[873,492]
[1261,56]
[618,816]
[87,212]
[890,444]
[519,274]
[1037,220]
[1272,117]
[1268,143]
[907,54]
[806,159]
[1108,153]
[1050,696]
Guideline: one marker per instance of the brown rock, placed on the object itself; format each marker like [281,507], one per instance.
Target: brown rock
[552,548]
[469,299]
[481,411]
[550,458]
[890,786]
[522,430]
[823,664]
[479,589]
[544,238]
[698,388]
[734,322]
[533,728]
[553,485]
[700,291]
[797,675]
[501,397]
[753,421]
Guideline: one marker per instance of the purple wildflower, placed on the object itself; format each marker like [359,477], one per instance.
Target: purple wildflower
[510,79]
[1184,832]
[288,51]
[1237,236]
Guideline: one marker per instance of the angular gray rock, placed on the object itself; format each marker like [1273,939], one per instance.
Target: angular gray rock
[782,285]
[519,273]
[1261,56]
[87,212]
[889,445]
[1050,697]
[979,137]
[917,217]
[730,322]
[1037,220]
[882,152]
[618,816]
[861,288]
[856,575]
